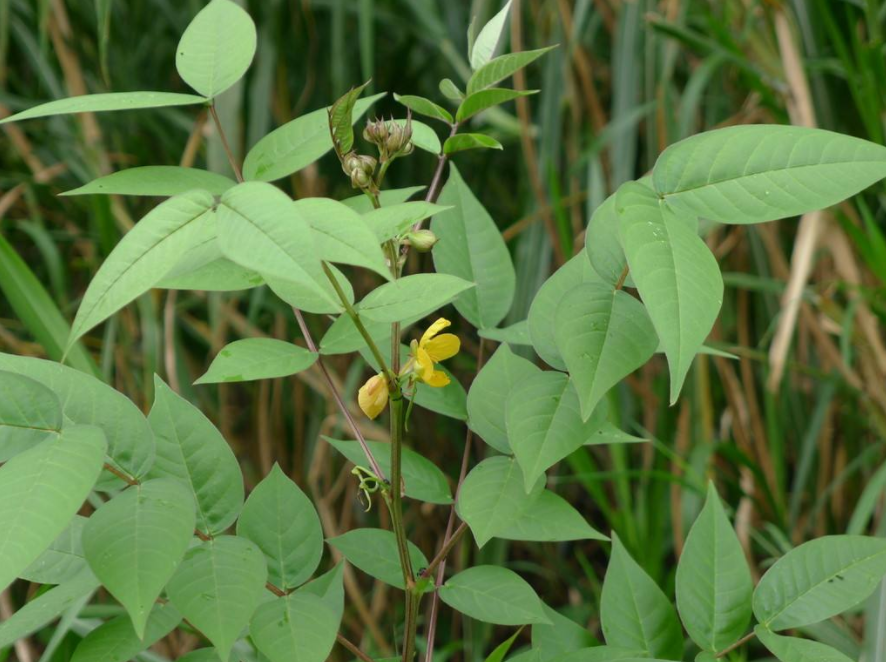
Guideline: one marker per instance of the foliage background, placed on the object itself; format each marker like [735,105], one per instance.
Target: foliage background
[797,456]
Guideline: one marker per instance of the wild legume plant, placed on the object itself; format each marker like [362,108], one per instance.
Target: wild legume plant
[172,538]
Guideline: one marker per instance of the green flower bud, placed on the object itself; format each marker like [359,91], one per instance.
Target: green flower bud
[421,240]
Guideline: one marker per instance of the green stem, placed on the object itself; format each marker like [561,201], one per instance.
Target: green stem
[396,491]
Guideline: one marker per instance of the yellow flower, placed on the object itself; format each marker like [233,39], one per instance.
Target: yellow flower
[431,349]
[373,395]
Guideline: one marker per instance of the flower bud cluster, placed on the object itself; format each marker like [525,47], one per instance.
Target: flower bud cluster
[360,168]
[391,138]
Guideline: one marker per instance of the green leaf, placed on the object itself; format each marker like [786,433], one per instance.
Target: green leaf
[550,518]
[819,579]
[88,401]
[341,235]
[297,144]
[544,423]
[63,560]
[374,551]
[218,587]
[342,337]
[714,583]
[29,413]
[155,180]
[208,654]
[791,649]
[192,451]
[216,48]
[634,612]
[562,636]
[312,299]
[604,654]
[295,628]
[471,247]
[493,594]
[502,67]
[489,392]
[411,296]
[98,103]
[257,358]
[135,541]
[544,306]
[393,220]
[260,229]
[40,492]
[219,275]
[603,335]
[116,641]
[676,274]
[281,520]
[329,587]
[515,334]
[423,136]
[484,99]
[465,141]
[387,198]
[424,107]
[752,174]
[501,651]
[483,48]
[146,254]
[492,498]
[423,479]
[46,607]
[341,120]
[602,243]
[450,90]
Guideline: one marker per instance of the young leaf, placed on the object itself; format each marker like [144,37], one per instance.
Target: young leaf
[97,103]
[752,174]
[144,256]
[341,120]
[464,141]
[257,358]
[63,560]
[411,296]
[819,579]
[281,520]
[116,641]
[677,275]
[634,612]
[392,220]
[714,583]
[493,594]
[296,145]
[88,401]
[216,48]
[450,90]
[374,551]
[603,335]
[489,393]
[550,518]
[484,99]
[562,636]
[29,413]
[52,480]
[155,181]
[502,67]
[492,498]
[295,628]
[192,451]
[424,107]
[471,247]
[544,423]
[792,649]
[217,588]
[135,541]
[483,48]
[423,479]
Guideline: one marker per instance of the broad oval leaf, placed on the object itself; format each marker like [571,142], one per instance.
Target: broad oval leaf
[465,141]
[634,612]
[504,66]
[116,641]
[63,560]
[97,103]
[493,497]
[135,542]
[792,649]
[53,480]
[216,48]
[144,256]
[411,297]
[484,46]
[424,107]
[155,180]
[282,521]
[390,221]
[29,413]
[819,579]
[752,174]
[193,452]
[257,358]
[714,584]
[550,518]
[603,335]
[676,274]
[218,587]
[295,628]
[493,594]
[374,551]
[484,99]
[471,247]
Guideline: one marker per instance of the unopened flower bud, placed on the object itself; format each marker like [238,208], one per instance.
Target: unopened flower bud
[376,132]
[359,168]
[400,138]
[421,240]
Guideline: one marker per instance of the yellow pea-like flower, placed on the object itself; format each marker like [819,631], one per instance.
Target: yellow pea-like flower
[373,395]
[430,350]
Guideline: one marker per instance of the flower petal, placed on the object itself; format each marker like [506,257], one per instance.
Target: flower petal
[438,379]
[443,347]
[373,396]
[424,365]
[433,330]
